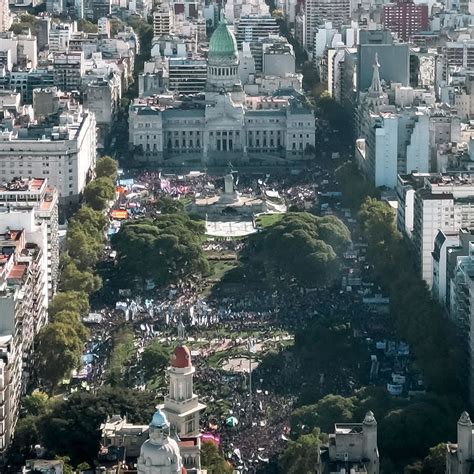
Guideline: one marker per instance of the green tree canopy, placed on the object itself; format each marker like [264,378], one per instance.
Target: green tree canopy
[82,249]
[76,301]
[168,205]
[154,359]
[72,319]
[323,415]
[72,279]
[164,250]
[354,186]
[302,456]
[86,26]
[213,460]
[106,167]
[299,246]
[91,221]
[58,352]
[377,221]
[71,427]
[99,192]
[36,404]
[435,462]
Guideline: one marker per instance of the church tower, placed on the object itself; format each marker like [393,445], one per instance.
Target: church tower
[376,96]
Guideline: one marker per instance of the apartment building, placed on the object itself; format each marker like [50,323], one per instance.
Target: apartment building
[62,151]
[32,205]
[22,315]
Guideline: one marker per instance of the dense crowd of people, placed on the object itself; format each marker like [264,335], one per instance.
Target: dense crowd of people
[262,424]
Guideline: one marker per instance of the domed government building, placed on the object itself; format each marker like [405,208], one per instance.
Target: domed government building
[222,124]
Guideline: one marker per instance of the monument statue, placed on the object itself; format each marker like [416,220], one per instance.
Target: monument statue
[229,184]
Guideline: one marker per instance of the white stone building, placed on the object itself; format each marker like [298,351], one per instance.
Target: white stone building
[64,153]
[460,455]
[352,448]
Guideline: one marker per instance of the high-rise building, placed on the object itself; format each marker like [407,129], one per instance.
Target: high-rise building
[32,205]
[319,11]
[446,203]
[59,37]
[64,152]
[187,76]
[251,28]
[96,9]
[55,7]
[162,21]
[405,18]
[68,68]
[23,313]
[5,18]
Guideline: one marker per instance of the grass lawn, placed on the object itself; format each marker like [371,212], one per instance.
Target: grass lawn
[266,220]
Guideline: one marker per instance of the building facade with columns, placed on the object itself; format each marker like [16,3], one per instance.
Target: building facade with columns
[217,126]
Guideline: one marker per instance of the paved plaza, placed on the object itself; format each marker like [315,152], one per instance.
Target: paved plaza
[230,228]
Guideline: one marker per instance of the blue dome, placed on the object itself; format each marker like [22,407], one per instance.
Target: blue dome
[159,419]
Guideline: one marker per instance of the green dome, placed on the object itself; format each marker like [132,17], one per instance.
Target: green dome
[223,43]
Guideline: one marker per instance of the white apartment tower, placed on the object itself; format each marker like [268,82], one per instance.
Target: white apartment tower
[445,203]
[162,21]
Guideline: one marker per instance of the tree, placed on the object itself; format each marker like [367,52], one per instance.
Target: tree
[82,249]
[77,301]
[377,221]
[435,462]
[106,167]
[26,435]
[86,26]
[406,434]
[168,205]
[154,359]
[92,222]
[355,188]
[36,403]
[302,456]
[323,414]
[213,461]
[164,250]
[99,192]
[73,279]
[58,352]
[298,246]
[72,426]
[71,319]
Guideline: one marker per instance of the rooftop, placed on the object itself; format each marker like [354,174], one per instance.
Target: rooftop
[23,184]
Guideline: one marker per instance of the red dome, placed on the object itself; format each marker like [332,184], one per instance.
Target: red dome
[181,358]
